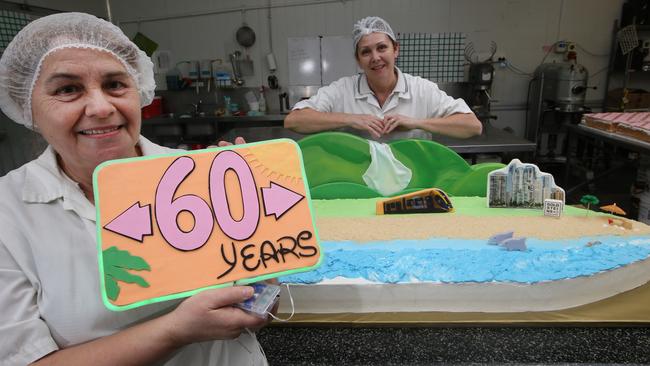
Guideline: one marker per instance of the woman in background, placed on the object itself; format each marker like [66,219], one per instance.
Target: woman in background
[80,82]
[382,103]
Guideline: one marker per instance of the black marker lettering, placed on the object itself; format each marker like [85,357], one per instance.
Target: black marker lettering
[234,260]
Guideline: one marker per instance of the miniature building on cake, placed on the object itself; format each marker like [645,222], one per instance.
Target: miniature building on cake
[521,185]
[426,200]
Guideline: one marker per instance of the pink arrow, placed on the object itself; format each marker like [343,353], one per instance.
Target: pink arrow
[133,223]
[278,200]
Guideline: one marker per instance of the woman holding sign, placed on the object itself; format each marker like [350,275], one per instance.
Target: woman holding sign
[382,103]
[80,82]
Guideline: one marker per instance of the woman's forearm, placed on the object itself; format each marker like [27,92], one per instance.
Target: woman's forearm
[308,120]
[460,125]
[206,316]
[142,344]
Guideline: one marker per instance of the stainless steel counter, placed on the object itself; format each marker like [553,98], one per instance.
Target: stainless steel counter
[256,128]
[492,140]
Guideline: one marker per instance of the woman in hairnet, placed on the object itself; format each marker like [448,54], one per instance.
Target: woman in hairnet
[382,103]
[80,82]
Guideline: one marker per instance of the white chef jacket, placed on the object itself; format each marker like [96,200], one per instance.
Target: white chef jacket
[49,278]
[413,96]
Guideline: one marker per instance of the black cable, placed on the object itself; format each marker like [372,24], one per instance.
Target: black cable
[530,83]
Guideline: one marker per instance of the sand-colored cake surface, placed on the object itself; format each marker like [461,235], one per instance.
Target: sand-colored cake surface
[363,229]
[356,221]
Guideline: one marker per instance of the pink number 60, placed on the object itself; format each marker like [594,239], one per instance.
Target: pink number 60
[246,227]
[167,209]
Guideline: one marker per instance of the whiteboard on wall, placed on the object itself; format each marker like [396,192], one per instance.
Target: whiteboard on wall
[304,61]
[320,60]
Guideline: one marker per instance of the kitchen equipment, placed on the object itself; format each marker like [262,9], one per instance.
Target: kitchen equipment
[273,81]
[205,72]
[262,101]
[162,61]
[246,66]
[284,102]
[245,36]
[236,77]
[173,78]
[270,60]
[154,109]
[300,92]
[481,74]
[556,98]
[222,77]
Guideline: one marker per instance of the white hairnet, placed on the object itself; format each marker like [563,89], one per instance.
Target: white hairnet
[369,25]
[22,59]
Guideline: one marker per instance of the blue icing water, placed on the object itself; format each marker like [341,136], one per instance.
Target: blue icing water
[453,260]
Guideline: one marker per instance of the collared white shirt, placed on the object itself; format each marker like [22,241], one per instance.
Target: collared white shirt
[413,96]
[49,277]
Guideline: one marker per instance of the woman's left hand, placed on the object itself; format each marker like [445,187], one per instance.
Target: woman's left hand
[238,141]
[398,121]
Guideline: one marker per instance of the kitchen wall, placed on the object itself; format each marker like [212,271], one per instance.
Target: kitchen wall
[18,144]
[521,29]
[96,7]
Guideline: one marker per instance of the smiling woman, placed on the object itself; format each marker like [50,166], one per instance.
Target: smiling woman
[80,82]
[382,103]
[87,107]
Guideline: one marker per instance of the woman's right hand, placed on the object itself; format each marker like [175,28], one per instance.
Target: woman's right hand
[367,122]
[209,315]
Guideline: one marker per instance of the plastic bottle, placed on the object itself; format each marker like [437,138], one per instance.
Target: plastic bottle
[226,100]
[262,101]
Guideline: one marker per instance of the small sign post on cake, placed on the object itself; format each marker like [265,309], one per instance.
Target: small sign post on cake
[169,226]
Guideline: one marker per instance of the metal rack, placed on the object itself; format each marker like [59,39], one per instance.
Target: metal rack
[438,57]
[624,42]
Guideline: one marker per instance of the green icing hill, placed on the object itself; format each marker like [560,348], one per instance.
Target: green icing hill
[335,163]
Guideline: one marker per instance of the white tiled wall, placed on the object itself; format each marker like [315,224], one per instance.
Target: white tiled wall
[520,28]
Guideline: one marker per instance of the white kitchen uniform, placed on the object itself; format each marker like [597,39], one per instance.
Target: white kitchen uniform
[49,277]
[413,96]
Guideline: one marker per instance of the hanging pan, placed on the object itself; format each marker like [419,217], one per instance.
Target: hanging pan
[245,36]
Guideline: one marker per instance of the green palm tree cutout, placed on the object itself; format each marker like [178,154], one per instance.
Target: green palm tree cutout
[116,264]
[589,200]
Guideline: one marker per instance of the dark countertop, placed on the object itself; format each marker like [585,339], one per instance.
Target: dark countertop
[287,345]
[266,120]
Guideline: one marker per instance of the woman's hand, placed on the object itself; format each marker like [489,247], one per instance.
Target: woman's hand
[400,122]
[238,141]
[367,122]
[209,315]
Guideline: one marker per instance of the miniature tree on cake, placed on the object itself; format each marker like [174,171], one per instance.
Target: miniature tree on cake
[589,200]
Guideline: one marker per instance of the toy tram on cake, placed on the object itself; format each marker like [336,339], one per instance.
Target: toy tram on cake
[424,201]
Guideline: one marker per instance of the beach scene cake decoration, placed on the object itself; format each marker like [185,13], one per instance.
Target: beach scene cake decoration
[172,225]
[521,185]
[432,262]
[423,201]
[553,207]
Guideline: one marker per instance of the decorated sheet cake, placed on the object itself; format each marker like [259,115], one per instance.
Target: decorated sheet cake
[523,252]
